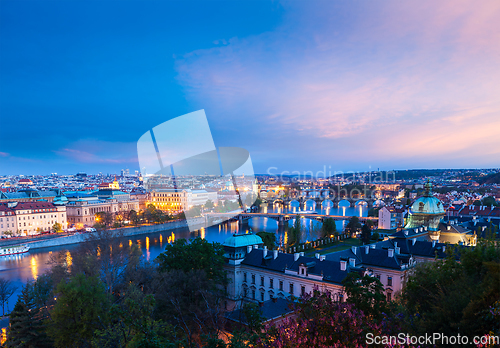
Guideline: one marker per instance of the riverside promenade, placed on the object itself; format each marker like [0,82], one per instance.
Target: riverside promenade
[58,239]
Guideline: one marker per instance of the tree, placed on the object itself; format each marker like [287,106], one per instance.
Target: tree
[366,234]
[7,289]
[134,217]
[27,327]
[132,323]
[322,322]
[104,218]
[196,255]
[375,236]
[57,227]
[366,293]
[329,227]
[454,297]
[80,309]
[353,225]
[269,239]
[295,231]
[209,204]
[250,199]
[489,201]
[194,211]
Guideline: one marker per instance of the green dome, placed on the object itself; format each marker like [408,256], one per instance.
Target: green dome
[242,240]
[426,211]
[427,205]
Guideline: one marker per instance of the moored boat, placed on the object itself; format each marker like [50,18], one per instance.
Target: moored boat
[14,249]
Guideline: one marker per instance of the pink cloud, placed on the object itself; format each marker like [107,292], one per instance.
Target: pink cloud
[96,151]
[4,154]
[417,79]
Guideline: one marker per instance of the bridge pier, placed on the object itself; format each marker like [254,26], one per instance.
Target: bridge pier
[281,221]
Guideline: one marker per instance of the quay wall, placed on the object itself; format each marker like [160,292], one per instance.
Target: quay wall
[126,231]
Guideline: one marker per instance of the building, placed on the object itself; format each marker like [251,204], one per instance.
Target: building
[171,199]
[258,274]
[83,207]
[427,211]
[32,218]
[7,220]
[29,195]
[391,218]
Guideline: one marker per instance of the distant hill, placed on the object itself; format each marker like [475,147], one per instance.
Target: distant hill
[489,179]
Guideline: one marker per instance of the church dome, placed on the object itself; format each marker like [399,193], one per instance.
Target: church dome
[426,211]
[427,204]
[242,240]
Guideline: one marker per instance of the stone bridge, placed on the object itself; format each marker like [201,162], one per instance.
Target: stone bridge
[282,218]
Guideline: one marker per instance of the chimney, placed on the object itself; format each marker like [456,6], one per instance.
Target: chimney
[296,256]
[275,254]
[372,246]
[413,241]
[444,248]
[352,262]
[397,249]
[354,249]
[391,252]
[343,265]
[256,246]
[433,243]
[264,252]
[406,232]
[316,255]
[301,253]
[448,227]
[322,258]
[395,244]
[249,249]
[367,249]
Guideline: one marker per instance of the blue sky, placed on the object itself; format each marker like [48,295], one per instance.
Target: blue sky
[301,85]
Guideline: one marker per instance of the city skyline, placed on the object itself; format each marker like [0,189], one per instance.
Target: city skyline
[380,86]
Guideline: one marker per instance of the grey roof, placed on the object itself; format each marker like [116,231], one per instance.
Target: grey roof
[269,310]
[377,257]
[330,270]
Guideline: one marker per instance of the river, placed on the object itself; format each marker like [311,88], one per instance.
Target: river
[25,267]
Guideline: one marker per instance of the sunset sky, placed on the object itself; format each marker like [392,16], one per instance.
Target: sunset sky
[350,85]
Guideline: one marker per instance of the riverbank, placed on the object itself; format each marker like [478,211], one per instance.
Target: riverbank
[75,238]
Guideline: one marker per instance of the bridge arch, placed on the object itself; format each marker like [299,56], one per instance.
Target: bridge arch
[326,204]
[294,205]
[310,205]
[361,202]
[344,203]
[325,193]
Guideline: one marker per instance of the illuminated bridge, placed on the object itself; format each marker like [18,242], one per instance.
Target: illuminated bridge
[280,217]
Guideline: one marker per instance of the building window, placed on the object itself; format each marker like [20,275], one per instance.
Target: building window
[291,288]
[302,290]
[261,281]
[389,281]
[389,297]
[245,292]
[253,278]
[378,276]
[262,296]
[271,283]
[281,285]
[253,294]
[245,276]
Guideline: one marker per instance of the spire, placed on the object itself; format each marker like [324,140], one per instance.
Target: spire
[428,189]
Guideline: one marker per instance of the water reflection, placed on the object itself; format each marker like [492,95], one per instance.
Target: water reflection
[34,268]
[29,266]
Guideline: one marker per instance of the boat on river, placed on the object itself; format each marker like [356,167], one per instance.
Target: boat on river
[14,249]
